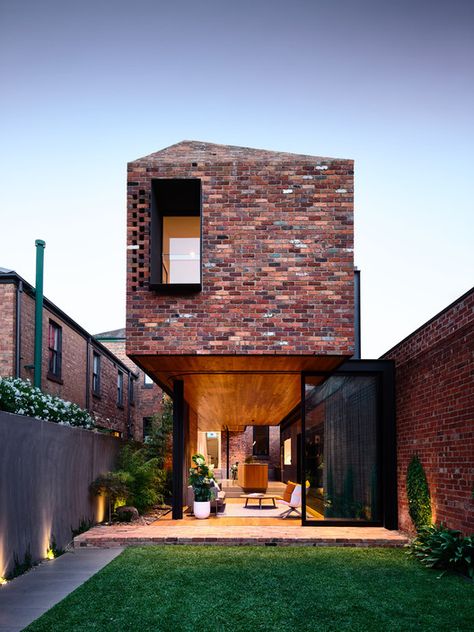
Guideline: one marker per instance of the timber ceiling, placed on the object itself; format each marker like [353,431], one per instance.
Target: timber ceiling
[237,391]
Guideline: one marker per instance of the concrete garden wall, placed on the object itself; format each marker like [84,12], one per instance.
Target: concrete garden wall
[45,472]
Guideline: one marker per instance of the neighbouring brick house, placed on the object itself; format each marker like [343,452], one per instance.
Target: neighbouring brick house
[75,366]
[148,396]
[240,298]
[435,412]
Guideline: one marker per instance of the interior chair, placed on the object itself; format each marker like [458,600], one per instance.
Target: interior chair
[293,503]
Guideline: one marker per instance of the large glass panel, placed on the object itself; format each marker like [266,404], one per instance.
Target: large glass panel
[181,249]
[341,449]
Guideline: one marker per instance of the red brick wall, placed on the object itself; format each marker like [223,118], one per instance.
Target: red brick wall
[435,413]
[105,409]
[241,446]
[277,255]
[73,384]
[148,398]
[7,329]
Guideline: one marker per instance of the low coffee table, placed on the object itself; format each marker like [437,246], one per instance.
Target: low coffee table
[258,497]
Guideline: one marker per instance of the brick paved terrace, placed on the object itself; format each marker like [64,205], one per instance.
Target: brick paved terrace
[219,531]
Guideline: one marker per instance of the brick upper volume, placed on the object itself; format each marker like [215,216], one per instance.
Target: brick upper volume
[277,255]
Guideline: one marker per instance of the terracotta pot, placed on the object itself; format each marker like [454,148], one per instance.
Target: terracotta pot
[202,510]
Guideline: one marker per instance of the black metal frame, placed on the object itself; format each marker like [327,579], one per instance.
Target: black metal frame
[178,448]
[385,371]
[156,230]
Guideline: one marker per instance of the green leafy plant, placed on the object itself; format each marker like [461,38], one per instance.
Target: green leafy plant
[158,444]
[418,493]
[437,546]
[20,397]
[200,477]
[21,567]
[54,550]
[146,480]
[112,485]
[234,470]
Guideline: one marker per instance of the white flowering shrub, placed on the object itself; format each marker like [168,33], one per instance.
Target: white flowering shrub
[20,397]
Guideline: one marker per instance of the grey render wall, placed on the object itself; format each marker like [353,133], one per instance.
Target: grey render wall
[45,472]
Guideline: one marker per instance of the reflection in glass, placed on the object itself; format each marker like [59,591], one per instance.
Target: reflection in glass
[341,449]
[181,252]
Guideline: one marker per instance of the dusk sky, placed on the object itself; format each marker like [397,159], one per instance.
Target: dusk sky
[89,86]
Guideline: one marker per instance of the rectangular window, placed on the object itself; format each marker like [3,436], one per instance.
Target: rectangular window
[120,388]
[95,373]
[147,427]
[147,381]
[176,234]
[261,440]
[55,350]
[131,390]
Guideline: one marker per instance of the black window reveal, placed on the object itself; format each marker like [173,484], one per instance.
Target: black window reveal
[147,381]
[120,388]
[261,440]
[147,427]
[95,373]
[55,340]
[131,390]
[176,234]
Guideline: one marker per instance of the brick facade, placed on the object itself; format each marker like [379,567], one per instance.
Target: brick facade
[75,383]
[277,255]
[435,412]
[7,329]
[148,397]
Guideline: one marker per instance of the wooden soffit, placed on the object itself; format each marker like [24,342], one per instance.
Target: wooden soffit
[237,391]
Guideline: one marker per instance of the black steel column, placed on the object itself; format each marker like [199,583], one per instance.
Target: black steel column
[357,328]
[178,448]
[302,464]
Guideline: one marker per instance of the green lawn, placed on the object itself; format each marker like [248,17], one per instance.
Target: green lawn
[213,588]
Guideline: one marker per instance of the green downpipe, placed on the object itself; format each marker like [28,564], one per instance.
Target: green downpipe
[40,246]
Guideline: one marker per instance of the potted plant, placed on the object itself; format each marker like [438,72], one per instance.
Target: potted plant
[200,477]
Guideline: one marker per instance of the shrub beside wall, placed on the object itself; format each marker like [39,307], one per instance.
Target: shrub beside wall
[20,397]
[418,494]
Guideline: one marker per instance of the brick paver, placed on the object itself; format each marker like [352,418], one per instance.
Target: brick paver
[208,532]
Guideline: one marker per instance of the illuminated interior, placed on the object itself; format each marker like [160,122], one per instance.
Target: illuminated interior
[181,249]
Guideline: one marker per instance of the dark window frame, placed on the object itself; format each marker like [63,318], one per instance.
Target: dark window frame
[55,352]
[120,376]
[147,423]
[96,374]
[384,371]
[145,383]
[158,211]
[262,430]
[131,390]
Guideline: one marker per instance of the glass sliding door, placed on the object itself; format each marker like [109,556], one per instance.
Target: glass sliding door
[342,448]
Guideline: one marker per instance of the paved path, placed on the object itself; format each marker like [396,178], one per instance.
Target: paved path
[29,596]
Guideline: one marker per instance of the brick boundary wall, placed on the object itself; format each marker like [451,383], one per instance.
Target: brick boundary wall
[435,412]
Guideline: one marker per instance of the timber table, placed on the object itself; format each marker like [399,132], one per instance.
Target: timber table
[259,497]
